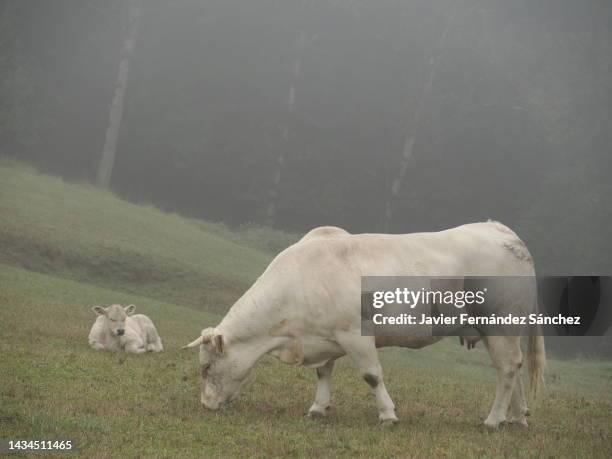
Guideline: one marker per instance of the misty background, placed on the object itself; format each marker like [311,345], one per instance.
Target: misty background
[386,115]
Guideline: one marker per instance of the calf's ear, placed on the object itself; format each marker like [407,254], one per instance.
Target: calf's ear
[99,310]
[129,310]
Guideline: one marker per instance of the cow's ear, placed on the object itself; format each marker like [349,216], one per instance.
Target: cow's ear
[206,335]
[129,310]
[218,343]
[214,339]
[99,310]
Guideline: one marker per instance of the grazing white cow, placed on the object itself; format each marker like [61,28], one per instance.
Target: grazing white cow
[305,309]
[116,329]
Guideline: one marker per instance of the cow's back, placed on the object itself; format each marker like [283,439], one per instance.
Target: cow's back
[478,249]
[140,323]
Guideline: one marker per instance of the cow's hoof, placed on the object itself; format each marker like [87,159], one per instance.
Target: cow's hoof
[521,422]
[388,421]
[527,412]
[318,413]
[493,425]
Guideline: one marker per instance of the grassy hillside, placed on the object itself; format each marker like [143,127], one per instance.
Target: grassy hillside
[53,386]
[81,233]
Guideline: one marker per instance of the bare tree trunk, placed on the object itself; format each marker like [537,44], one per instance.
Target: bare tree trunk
[280,160]
[105,169]
[413,129]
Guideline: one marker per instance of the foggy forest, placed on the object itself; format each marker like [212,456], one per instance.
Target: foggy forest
[373,116]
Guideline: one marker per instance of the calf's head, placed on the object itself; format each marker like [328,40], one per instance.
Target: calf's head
[114,317]
[222,372]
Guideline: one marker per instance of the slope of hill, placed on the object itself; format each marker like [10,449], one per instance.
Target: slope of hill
[79,232]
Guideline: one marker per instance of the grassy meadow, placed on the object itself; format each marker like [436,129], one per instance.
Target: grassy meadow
[65,247]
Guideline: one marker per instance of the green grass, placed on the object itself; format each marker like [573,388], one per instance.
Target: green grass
[52,385]
[64,247]
[76,231]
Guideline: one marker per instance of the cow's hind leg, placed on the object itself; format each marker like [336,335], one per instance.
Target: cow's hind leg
[322,398]
[518,405]
[362,350]
[154,342]
[505,352]
[155,345]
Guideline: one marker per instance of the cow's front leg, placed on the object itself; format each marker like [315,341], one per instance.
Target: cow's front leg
[505,352]
[362,350]
[322,398]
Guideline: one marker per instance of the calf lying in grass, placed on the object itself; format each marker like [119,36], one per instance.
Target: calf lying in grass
[116,329]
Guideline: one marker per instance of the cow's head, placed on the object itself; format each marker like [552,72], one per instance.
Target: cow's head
[114,317]
[222,372]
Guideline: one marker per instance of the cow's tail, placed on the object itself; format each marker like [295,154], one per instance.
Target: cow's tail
[537,360]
